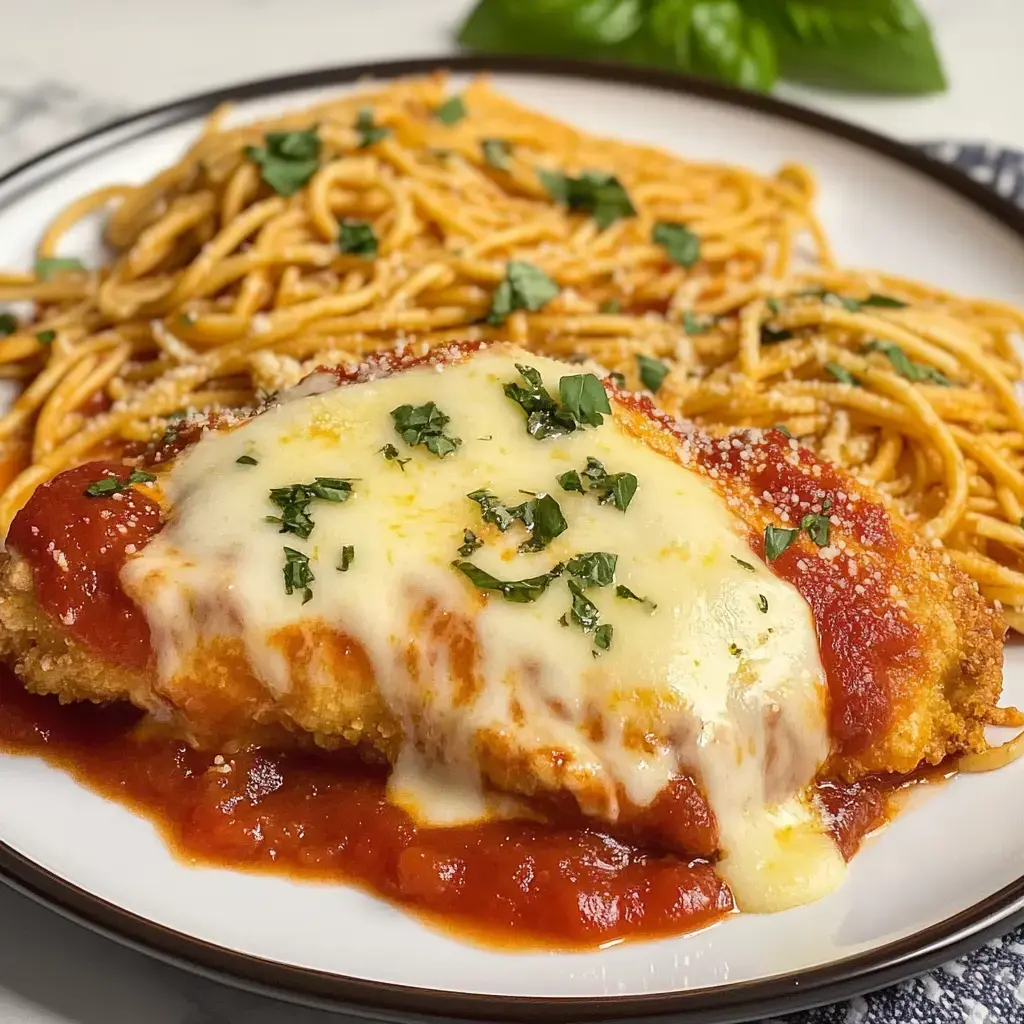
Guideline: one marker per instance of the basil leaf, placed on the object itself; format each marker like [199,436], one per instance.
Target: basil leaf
[348,556]
[869,45]
[681,244]
[762,603]
[627,595]
[470,542]
[727,42]
[618,379]
[287,160]
[297,574]
[47,266]
[496,152]
[8,324]
[652,372]
[357,237]
[600,194]
[46,337]
[369,133]
[585,398]
[777,539]
[424,424]
[594,568]
[743,565]
[614,488]
[841,374]
[294,500]
[516,591]
[525,287]
[817,528]
[612,306]
[451,111]
[390,453]
[246,460]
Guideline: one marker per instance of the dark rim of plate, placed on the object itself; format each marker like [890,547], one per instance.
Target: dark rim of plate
[746,1001]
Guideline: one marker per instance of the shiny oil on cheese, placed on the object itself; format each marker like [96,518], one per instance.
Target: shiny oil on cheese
[722,681]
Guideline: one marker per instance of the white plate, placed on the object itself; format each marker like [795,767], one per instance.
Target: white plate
[946,873]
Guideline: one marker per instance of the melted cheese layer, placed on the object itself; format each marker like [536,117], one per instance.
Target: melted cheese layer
[722,681]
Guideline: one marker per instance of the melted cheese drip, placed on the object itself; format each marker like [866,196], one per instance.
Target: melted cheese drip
[721,689]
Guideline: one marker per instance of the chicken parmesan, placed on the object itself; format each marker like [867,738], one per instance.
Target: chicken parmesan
[529,595]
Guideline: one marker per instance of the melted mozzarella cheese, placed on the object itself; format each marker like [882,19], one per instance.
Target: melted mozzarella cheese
[721,681]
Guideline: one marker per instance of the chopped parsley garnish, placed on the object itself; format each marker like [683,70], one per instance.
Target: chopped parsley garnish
[612,306]
[424,424]
[516,591]
[369,133]
[603,638]
[627,595]
[496,152]
[681,244]
[762,603]
[817,528]
[694,325]
[773,335]
[883,301]
[47,266]
[593,569]
[652,372]
[390,453]
[297,574]
[594,192]
[109,485]
[470,542]
[611,488]
[541,516]
[906,367]
[287,160]
[525,287]
[584,396]
[570,481]
[544,416]
[246,460]
[8,324]
[584,612]
[743,565]
[851,305]
[46,337]
[295,499]
[348,555]
[451,111]
[356,238]
[777,539]
[841,374]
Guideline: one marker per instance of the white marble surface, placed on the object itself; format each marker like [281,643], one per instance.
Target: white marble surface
[69,65]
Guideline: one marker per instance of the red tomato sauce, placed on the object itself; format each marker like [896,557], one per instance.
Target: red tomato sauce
[324,817]
[76,546]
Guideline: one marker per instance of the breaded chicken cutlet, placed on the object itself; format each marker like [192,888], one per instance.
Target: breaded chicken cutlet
[505,577]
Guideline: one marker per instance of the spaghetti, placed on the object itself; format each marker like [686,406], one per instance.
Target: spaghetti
[403,216]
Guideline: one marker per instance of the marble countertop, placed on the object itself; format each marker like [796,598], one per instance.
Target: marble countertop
[70,66]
